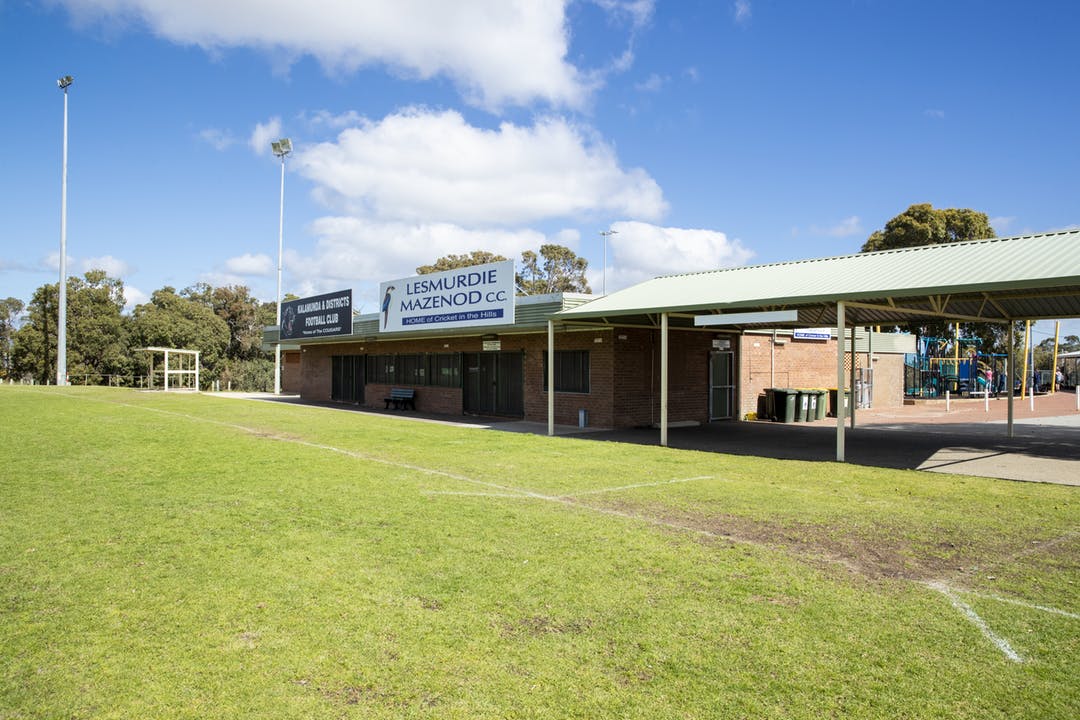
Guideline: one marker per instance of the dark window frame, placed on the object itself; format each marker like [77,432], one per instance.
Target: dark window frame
[418,369]
[572,371]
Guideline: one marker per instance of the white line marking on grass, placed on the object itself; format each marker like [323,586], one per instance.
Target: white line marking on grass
[999,642]
[512,491]
[568,501]
[330,448]
[1014,601]
[637,485]
[1030,606]
[505,491]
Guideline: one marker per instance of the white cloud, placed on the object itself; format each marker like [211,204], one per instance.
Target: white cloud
[567,237]
[134,296]
[640,251]
[639,12]
[325,119]
[423,166]
[52,261]
[743,11]
[248,264]
[264,134]
[358,253]
[934,113]
[354,250]
[653,83]
[216,278]
[217,139]
[113,267]
[499,52]
[1001,224]
[847,227]
[7,265]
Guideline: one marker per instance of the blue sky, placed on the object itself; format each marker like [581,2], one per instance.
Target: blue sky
[706,134]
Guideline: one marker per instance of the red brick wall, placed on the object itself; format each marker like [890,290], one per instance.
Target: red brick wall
[624,373]
[597,402]
[627,359]
[432,399]
[316,366]
[809,364]
[315,382]
[290,371]
[637,374]
[624,378]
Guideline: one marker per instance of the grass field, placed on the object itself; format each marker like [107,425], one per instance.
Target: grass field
[186,556]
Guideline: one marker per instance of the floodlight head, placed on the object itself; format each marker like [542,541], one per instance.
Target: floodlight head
[281,147]
[63,82]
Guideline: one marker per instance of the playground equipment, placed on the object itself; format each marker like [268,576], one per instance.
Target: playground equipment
[954,365]
[1070,366]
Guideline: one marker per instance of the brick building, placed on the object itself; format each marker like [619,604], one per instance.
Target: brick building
[696,347]
[607,377]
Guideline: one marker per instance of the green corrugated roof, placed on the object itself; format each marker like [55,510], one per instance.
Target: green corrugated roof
[1030,276]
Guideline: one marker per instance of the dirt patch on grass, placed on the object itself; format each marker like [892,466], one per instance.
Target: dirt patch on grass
[875,551]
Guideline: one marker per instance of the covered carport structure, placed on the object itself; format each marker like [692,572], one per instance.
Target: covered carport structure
[1000,280]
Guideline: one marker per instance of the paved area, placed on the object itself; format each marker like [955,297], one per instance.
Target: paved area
[969,438]
[1040,453]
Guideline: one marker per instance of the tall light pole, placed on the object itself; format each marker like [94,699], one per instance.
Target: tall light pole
[606,234]
[281,148]
[61,322]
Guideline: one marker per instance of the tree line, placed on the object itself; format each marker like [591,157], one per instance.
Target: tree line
[224,323]
[103,345]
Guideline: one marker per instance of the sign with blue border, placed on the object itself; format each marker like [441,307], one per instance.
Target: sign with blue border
[812,334]
[467,297]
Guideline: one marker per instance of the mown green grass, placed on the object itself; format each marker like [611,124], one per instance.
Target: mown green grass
[190,556]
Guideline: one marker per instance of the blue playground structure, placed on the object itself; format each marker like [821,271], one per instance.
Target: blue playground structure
[938,367]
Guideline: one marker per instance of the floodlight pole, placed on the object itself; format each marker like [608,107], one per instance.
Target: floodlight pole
[606,234]
[61,321]
[281,148]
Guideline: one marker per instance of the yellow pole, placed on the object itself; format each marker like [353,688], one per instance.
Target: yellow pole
[1024,372]
[1053,368]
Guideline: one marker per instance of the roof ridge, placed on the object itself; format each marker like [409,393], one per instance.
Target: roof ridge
[889,251]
